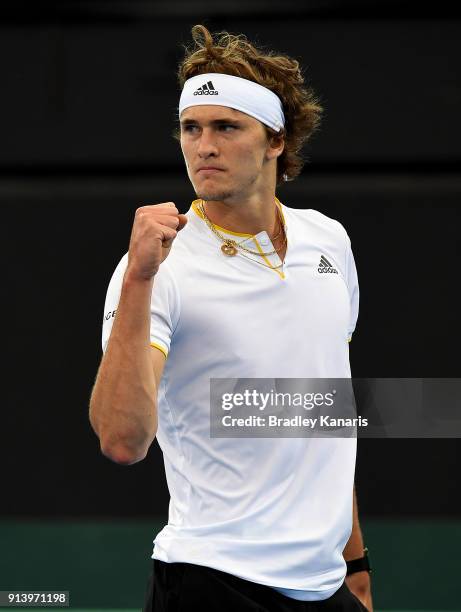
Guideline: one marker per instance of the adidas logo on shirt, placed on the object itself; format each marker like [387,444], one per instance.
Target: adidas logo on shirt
[206,90]
[326,267]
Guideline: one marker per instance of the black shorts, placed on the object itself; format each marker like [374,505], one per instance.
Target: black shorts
[184,587]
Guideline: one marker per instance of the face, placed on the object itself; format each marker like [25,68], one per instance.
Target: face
[227,152]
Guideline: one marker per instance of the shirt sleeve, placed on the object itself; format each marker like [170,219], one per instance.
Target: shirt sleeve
[112,299]
[353,286]
[164,314]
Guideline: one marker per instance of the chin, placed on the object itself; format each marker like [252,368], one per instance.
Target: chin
[210,195]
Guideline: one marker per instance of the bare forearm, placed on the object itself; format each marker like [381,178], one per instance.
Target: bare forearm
[358,582]
[123,405]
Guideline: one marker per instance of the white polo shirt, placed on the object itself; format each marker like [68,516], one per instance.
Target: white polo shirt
[275,511]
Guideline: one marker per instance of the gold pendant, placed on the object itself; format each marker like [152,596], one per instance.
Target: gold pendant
[229,250]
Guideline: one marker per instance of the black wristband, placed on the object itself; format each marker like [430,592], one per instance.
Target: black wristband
[359,565]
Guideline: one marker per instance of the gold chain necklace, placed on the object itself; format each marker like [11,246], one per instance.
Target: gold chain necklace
[229,246]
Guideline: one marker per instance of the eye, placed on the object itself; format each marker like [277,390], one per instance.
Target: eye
[224,127]
[189,128]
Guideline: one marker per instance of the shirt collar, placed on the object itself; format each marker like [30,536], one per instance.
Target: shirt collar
[195,208]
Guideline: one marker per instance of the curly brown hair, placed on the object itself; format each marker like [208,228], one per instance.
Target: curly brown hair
[235,55]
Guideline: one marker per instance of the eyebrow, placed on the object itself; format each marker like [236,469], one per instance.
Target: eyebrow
[213,122]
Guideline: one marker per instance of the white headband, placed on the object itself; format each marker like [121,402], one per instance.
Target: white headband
[234,92]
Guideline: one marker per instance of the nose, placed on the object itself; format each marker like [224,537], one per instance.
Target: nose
[207,144]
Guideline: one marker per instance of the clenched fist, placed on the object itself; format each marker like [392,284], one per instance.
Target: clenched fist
[154,229]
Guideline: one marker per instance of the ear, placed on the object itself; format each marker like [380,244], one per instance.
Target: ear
[275,146]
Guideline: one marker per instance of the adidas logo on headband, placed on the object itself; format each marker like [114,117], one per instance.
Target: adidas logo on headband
[206,90]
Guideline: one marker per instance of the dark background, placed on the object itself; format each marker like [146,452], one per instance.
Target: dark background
[87,107]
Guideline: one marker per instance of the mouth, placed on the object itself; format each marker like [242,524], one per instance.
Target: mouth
[209,170]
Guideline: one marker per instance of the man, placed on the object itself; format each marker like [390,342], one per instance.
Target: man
[240,287]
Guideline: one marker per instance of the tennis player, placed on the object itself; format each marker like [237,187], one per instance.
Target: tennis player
[241,286]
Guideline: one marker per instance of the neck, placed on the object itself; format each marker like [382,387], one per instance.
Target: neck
[249,216]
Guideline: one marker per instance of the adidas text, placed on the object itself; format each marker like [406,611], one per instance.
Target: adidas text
[327,271]
[205,92]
